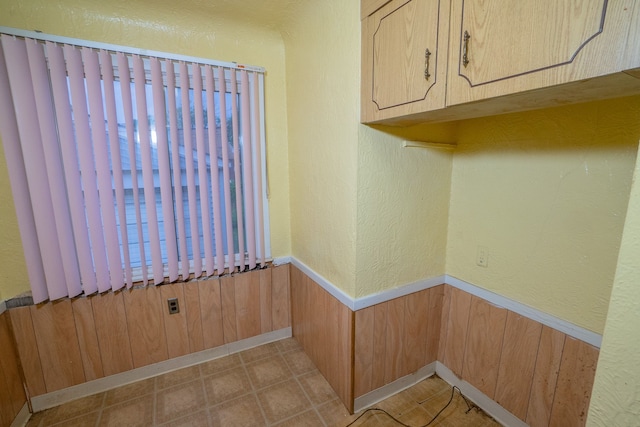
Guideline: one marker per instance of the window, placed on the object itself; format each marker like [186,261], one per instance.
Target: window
[129,168]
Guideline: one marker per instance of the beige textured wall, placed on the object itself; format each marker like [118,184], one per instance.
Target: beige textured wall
[403,205]
[323,77]
[546,193]
[615,398]
[195,29]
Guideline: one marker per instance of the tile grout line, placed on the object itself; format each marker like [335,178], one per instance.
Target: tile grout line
[154,405]
[254,390]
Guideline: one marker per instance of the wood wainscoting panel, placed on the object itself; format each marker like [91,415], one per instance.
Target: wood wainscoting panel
[12,397]
[545,377]
[228,299]
[71,341]
[379,345]
[194,318]
[58,346]
[146,326]
[456,336]
[28,349]
[266,315]
[175,325]
[575,381]
[319,305]
[517,363]
[113,332]
[211,312]
[340,361]
[247,302]
[281,301]
[87,338]
[416,330]
[394,340]
[434,323]
[444,321]
[484,344]
[324,327]
[298,297]
[363,357]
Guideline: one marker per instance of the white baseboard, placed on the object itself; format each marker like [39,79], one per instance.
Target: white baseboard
[100,385]
[3,307]
[22,418]
[488,405]
[392,388]
[549,320]
[356,304]
[336,292]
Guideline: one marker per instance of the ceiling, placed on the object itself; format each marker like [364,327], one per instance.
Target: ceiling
[271,14]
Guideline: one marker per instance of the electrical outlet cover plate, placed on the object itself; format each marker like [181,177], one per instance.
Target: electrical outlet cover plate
[174,307]
[482,258]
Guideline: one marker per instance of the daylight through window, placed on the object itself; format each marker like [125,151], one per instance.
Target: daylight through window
[129,168]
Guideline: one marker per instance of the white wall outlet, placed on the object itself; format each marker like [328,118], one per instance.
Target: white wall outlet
[482,258]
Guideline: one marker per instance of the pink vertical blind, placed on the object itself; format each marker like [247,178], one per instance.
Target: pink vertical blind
[128,169]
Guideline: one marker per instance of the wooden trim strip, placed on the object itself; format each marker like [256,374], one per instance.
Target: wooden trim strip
[355,304]
[488,405]
[394,387]
[22,418]
[561,325]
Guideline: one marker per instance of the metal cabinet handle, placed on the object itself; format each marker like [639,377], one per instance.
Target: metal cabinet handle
[465,48]
[427,55]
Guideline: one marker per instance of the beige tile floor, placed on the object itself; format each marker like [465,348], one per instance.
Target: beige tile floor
[275,384]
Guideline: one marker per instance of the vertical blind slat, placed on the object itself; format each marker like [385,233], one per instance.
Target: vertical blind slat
[247,168]
[175,161]
[164,169]
[191,180]
[19,187]
[215,182]
[75,70]
[116,161]
[25,106]
[225,168]
[60,90]
[103,170]
[127,103]
[256,139]
[121,175]
[55,178]
[144,133]
[237,171]
[202,169]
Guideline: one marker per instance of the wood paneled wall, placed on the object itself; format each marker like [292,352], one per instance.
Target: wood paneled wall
[12,397]
[538,374]
[396,338]
[324,328]
[72,341]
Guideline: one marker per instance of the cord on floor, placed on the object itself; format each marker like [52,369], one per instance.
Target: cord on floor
[453,389]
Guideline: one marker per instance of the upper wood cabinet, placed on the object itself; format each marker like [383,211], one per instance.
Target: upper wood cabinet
[500,47]
[404,51]
[509,54]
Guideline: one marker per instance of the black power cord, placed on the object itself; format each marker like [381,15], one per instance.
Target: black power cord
[453,389]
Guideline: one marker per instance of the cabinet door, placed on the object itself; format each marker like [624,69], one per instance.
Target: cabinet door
[404,59]
[501,47]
